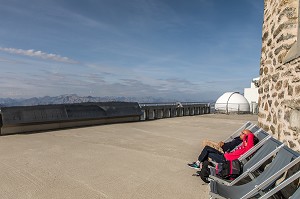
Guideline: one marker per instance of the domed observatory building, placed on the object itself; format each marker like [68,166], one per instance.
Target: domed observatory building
[232,102]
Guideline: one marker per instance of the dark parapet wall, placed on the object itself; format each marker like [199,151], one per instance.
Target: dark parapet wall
[20,119]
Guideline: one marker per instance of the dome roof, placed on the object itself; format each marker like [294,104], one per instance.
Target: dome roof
[232,102]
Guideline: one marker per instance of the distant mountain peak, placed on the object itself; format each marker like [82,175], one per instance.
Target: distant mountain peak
[74,98]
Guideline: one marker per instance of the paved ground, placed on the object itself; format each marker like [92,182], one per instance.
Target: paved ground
[130,160]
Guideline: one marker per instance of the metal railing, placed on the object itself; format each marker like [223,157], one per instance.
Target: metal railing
[237,108]
[173,109]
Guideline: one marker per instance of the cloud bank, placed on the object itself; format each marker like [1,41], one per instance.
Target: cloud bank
[38,54]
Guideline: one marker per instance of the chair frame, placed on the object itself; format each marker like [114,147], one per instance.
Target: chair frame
[248,171]
[262,185]
[243,157]
[247,125]
[243,160]
[272,178]
[282,185]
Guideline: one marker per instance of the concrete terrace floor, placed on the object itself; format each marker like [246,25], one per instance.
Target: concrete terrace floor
[129,160]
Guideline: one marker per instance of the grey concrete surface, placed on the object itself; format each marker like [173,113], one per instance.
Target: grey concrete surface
[130,160]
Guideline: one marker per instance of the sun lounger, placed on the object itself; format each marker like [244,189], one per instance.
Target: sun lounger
[282,185]
[248,125]
[258,132]
[296,195]
[284,160]
[262,136]
[269,147]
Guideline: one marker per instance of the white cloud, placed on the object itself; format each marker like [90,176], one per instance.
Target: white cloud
[38,54]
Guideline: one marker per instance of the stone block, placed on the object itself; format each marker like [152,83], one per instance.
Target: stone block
[290,90]
[265,36]
[266,69]
[273,130]
[291,144]
[270,102]
[287,116]
[281,57]
[286,83]
[275,119]
[275,77]
[266,88]
[269,43]
[266,127]
[278,30]
[264,80]
[261,70]
[281,95]
[287,133]
[296,79]
[278,85]
[266,107]
[269,118]
[261,115]
[297,90]
[295,119]
[274,63]
[274,94]
[280,113]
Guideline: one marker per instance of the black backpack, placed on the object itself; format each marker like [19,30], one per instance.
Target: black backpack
[229,170]
[205,172]
[256,140]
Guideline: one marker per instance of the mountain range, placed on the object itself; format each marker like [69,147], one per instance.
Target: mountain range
[73,98]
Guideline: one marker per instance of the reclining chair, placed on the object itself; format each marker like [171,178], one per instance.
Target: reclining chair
[262,136]
[282,185]
[248,125]
[284,160]
[269,148]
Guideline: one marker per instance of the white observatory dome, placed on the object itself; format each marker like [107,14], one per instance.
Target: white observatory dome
[231,102]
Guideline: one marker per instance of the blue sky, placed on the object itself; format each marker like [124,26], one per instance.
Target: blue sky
[183,50]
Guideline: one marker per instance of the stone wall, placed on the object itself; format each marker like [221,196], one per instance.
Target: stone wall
[279,91]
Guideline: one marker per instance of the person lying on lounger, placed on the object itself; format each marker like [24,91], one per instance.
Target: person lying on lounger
[223,146]
[247,140]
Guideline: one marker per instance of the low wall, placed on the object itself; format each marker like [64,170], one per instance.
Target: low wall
[159,111]
[45,117]
[20,119]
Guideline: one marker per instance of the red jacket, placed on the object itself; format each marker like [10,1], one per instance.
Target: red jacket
[248,143]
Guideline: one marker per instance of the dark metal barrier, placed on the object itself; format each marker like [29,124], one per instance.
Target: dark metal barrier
[165,110]
[20,119]
[45,117]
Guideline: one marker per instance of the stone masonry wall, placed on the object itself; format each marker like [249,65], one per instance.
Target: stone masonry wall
[279,91]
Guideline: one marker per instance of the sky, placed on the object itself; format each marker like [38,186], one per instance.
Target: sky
[192,50]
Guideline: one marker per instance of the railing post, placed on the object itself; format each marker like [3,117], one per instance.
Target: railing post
[197,110]
[179,111]
[166,113]
[143,116]
[192,111]
[173,112]
[151,114]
